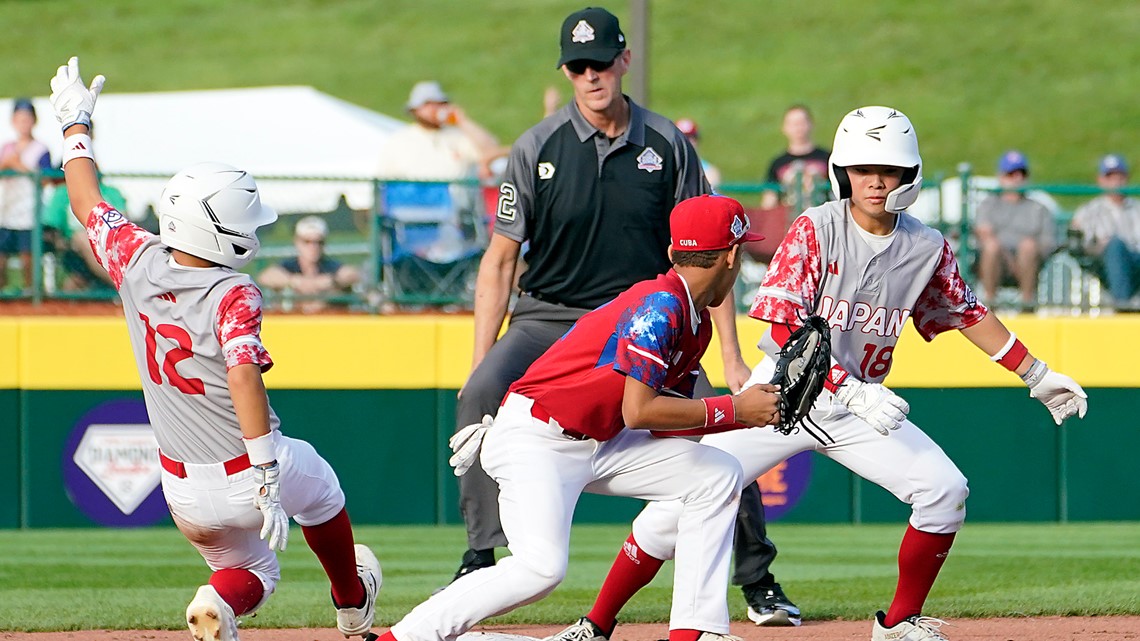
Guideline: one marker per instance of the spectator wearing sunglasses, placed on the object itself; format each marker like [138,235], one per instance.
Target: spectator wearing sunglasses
[589,189]
[311,276]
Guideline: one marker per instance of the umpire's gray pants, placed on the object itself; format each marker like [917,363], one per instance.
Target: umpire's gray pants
[535,326]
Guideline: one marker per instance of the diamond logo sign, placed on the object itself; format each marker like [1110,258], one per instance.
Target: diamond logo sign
[121,460]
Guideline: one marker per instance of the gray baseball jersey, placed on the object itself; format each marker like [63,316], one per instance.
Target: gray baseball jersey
[188,326]
[826,266]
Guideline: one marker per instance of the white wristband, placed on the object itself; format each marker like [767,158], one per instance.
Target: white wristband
[1005,348]
[262,450]
[77,146]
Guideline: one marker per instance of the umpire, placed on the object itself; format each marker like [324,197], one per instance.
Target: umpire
[590,189]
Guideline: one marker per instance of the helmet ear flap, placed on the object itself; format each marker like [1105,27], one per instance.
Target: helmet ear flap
[840,182]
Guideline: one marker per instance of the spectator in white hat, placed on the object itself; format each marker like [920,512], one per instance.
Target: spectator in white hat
[443,142]
[311,276]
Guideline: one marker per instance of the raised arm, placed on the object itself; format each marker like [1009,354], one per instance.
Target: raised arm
[73,103]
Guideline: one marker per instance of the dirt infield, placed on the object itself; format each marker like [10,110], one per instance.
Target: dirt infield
[1019,629]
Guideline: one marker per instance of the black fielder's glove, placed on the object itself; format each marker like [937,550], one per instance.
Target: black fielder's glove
[801,371]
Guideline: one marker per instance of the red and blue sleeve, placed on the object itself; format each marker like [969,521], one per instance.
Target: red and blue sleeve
[647,335]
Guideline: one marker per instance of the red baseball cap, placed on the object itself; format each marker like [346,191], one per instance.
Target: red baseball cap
[709,222]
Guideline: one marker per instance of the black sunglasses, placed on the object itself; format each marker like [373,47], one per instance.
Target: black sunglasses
[578,67]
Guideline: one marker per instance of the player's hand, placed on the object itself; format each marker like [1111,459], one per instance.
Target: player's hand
[736,374]
[874,403]
[276,526]
[73,101]
[758,405]
[466,444]
[1061,395]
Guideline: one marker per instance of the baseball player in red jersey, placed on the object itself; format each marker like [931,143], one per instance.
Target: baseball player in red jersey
[230,478]
[866,266]
[578,421]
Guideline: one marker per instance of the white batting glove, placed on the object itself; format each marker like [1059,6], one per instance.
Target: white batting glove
[874,403]
[466,443]
[1061,395]
[72,100]
[276,526]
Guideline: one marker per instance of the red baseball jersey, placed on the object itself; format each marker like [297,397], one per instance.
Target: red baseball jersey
[651,332]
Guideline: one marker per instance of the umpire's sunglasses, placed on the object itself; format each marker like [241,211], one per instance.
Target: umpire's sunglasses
[578,67]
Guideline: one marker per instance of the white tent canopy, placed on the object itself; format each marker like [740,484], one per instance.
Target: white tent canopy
[268,131]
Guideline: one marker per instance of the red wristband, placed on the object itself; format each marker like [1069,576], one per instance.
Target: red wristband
[835,378]
[1012,358]
[719,410]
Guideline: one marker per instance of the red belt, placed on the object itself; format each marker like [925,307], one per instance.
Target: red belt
[178,468]
[544,416]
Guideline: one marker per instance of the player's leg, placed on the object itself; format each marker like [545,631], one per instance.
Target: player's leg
[753,551]
[312,495]
[910,465]
[541,474]
[655,530]
[705,483]
[529,335]
[244,570]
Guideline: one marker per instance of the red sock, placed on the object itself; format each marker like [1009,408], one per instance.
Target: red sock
[921,556]
[631,571]
[240,589]
[332,542]
[684,635]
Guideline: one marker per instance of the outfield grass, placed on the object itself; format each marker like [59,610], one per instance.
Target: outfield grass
[141,579]
[1054,77]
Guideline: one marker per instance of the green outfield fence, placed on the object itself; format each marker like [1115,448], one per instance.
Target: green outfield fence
[363,236]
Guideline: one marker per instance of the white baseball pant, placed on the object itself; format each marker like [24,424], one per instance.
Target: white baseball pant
[907,463]
[218,515]
[541,473]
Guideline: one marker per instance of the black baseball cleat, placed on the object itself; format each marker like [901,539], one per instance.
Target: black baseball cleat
[472,560]
[768,606]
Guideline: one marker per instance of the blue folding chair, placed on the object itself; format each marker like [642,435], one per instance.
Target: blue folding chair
[430,246]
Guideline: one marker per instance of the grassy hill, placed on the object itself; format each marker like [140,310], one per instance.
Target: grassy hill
[1053,77]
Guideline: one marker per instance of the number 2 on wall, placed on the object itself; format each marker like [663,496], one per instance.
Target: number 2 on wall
[873,365]
[173,356]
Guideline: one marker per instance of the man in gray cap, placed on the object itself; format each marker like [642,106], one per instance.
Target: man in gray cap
[590,189]
[443,142]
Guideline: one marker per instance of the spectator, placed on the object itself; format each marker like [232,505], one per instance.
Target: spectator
[689,127]
[802,169]
[1110,229]
[442,143]
[81,270]
[311,276]
[590,189]
[18,193]
[1014,233]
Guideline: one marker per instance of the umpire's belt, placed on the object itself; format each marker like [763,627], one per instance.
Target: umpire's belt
[178,468]
[537,412]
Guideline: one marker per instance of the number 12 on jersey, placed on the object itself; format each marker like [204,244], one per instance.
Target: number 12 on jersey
[173,356]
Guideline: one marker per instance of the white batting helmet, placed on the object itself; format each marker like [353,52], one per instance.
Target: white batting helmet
[212,211]
[877,136]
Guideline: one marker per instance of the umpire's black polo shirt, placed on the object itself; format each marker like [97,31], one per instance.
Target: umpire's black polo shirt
[595,211]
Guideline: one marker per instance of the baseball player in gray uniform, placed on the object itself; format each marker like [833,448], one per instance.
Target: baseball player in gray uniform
[231,480]
[866,266]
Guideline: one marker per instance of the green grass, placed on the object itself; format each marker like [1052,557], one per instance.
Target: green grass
[141,579]
[1053,77]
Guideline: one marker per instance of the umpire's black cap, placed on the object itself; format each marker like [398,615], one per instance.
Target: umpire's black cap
[591,34]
